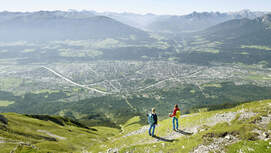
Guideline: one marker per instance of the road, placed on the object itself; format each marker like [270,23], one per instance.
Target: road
[74,83]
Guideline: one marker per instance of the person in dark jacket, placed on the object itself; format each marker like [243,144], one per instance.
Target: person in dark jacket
[152,119]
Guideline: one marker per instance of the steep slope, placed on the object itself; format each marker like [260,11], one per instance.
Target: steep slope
[41,133]
[197,21]
[188,23]
[245,41]
[246,127]
[52,26]
[244,31]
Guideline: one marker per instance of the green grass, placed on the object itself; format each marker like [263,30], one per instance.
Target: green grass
[143,143]
[256,47]
[216,85]
[256,76]
[5,103]
[30,50]
[250,147]
[244,53]
[207,50]
[25,129]
[45,91]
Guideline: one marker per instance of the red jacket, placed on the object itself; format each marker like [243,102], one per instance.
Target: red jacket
[174,112]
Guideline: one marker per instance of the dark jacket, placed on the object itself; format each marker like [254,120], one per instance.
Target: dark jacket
[155,118]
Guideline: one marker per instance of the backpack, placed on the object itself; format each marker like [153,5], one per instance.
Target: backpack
[178,113]
[151,119]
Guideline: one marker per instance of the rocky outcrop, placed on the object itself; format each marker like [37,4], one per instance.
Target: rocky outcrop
[3,119]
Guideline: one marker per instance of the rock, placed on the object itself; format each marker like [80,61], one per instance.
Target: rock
[246,115]
[266,135]
[115,150]
[228,137]
[3,119]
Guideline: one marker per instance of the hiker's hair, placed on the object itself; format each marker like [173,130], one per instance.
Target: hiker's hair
[153,110]
[176,106]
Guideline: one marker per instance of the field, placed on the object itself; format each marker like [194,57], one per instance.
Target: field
[5,103]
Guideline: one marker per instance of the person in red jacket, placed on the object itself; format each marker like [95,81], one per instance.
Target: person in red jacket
[175,116]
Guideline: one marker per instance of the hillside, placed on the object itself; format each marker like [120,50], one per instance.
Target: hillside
[42,133]
[113,110]
[245,31]
[245,128]
[197,21]
[244,41]
[51,26]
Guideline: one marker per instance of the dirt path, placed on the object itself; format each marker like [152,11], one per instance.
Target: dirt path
[171,135]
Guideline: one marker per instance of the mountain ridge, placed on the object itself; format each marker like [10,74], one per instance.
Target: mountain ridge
[153,22]
[49,26]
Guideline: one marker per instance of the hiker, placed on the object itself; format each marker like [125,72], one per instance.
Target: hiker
[152,119]
[175,116]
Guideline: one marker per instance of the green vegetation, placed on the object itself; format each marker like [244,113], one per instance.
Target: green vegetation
[114,110]
[45,136]
[242,129]
[45,91]
[9,83]
[43,133]
[212,85]
[256,47]
[30,50]
[5,103]
[250,147]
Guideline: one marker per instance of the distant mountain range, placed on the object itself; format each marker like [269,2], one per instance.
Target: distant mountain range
[179,23]
[109,24]
[198,21]
[245,31]
[57,25]
[235,41]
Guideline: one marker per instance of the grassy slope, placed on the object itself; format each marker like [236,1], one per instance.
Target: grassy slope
[21,128]
[24,129]
[243,130]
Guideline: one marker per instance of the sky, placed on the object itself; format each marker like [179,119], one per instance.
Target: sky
[137,6]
